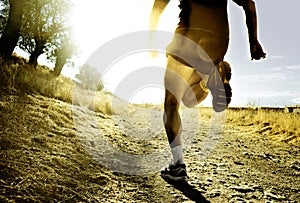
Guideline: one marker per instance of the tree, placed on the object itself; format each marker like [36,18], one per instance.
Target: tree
[62,50]
[11,32]
[43,21]
[62,54]
[90,78]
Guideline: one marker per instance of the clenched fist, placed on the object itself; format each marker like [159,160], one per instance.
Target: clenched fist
[256,51]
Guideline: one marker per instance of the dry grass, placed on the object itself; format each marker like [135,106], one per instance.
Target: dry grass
[276,123]
[17,75]
[272,122]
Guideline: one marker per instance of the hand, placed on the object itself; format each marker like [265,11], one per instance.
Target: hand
[256,50]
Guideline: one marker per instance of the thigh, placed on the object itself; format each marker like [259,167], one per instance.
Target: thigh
[178,77]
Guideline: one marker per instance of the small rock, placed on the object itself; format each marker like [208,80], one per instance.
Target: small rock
[203,188]
[254,197]
[246,154]
[257,187]
[297,168]
[214,193]
[238,163]
[213,164]
[193,182]
[173,192]
[214,172]
[221,164]
[222,181]
[242,189]
[235,195]
[92,143]
[270,195]
[238,199]
[234,175]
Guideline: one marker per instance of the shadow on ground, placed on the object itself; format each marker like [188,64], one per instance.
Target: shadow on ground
[188,190]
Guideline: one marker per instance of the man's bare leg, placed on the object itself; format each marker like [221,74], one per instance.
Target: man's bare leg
[172,122]
[182,83]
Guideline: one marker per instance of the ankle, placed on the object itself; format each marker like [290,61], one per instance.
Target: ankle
[177,153]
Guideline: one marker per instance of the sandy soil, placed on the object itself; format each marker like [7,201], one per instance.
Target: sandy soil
[52,151]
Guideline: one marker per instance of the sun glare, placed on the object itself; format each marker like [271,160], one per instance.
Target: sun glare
[97,22]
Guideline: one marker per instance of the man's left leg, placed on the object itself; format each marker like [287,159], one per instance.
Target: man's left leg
[177,79]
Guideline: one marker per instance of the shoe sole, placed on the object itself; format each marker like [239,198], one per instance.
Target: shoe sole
[174,178]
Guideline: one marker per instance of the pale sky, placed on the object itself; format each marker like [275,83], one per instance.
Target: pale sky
[270,82]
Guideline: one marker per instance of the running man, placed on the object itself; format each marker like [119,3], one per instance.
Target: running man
[192,72]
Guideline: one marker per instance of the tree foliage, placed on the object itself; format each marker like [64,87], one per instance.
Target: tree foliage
[39,27]
[90,78]
[45,27]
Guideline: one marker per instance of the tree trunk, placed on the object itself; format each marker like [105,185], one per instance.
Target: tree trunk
[59,64]
[11,33]
[39,49]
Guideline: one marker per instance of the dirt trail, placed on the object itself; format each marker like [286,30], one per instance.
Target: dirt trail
[53,152]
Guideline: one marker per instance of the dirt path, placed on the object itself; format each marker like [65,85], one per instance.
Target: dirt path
[244,166]
[53,152]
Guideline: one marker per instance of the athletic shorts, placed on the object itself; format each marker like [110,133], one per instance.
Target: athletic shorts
[198,48]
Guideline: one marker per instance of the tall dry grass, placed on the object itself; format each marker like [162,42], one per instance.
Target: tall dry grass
[274,122]
[17,75]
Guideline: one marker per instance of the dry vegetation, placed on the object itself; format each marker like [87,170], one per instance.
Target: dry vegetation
[272,122]
[281,126]
[17,75]
[43,160]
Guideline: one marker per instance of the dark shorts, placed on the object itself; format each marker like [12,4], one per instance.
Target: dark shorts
[198,48]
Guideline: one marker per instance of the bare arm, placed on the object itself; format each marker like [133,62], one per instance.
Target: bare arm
[251,21]
[157,9]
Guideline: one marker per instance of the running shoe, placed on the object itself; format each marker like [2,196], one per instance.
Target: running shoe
[175,172]
[219,86]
